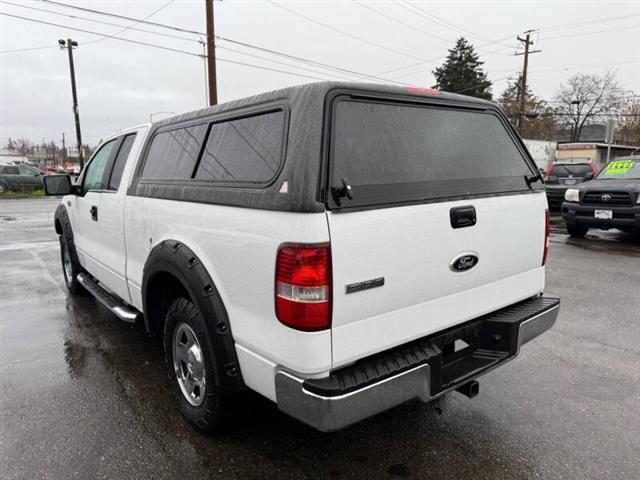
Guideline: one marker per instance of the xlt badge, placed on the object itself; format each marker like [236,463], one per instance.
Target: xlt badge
[463,262]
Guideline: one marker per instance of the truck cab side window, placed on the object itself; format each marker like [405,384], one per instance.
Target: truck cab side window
[174,153]
[120,161]
[93,178]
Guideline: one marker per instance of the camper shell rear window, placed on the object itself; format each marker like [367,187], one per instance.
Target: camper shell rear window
[392,152]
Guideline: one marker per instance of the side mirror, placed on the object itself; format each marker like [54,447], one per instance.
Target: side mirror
[588,176]
[58,185]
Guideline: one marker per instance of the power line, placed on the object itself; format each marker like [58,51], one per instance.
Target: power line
[260,67]
[176,50]
[279,62]
[441,57]
[250,65]
[308,61]
[343,32]
[185,30]
[439,21]
[505,38]
[133,24]
[573,67]
[16,50]
[587,22]
[218,37]
[482,83]
[103,22]
[592,33]
[122,17]
[435,59]
[400,22]
[624,97]
[559,114]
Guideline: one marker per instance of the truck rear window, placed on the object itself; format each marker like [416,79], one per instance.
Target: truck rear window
[399,152]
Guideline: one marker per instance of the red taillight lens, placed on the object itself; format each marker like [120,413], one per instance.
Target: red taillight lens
[548,174]
[547,228]
[303,286]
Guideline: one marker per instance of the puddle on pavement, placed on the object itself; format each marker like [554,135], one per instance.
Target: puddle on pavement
[256,438]
[76,357]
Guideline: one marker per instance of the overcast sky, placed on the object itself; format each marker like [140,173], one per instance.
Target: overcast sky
[120,84]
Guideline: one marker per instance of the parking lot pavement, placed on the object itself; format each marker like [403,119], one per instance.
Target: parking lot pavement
[83,395]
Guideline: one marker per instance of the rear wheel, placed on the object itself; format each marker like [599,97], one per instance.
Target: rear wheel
[70,266]
[190,365]
[575,230]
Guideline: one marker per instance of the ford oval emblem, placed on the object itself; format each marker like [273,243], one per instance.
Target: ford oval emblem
[463,262]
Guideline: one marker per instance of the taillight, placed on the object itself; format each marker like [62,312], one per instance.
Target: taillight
[547,228]
[303,286]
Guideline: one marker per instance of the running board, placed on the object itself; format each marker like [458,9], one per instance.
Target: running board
[113,303]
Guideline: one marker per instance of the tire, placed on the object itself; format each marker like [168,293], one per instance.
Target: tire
[577,231]
[191,366]
[70,266]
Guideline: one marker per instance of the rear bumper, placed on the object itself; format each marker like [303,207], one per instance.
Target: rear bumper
[425,368]
[623,216]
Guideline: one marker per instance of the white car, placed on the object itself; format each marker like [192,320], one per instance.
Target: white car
[338,248]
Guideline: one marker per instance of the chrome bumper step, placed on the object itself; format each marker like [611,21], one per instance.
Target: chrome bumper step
[118,307]
[425,368]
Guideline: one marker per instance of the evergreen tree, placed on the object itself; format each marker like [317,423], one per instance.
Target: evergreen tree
[462,72]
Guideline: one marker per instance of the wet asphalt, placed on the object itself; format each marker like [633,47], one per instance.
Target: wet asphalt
[84,395]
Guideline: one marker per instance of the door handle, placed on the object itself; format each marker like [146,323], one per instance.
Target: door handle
[463,216]
[94,213]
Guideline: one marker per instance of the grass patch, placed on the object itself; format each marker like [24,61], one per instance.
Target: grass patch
[23,194]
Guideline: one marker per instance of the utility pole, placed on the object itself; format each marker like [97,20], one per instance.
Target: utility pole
[523,87]
[69,45]
[64,151]
[610,134]
[211,54]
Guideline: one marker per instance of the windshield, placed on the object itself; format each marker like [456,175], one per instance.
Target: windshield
[628,168]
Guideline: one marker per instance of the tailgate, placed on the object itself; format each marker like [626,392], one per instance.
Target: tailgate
[434,220]
[412,249]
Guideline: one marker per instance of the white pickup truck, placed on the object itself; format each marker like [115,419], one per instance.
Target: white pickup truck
[338,248]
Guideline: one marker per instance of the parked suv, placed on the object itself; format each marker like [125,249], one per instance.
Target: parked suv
[338,248]
[612,200]
[20,177]
[562,175]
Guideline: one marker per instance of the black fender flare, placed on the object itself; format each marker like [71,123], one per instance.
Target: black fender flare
[176,259]
[61,217]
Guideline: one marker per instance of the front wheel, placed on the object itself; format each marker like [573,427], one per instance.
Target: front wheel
[190,364]
[577,231]
[70,267]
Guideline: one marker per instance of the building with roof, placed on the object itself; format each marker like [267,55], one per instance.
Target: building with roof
[593,151]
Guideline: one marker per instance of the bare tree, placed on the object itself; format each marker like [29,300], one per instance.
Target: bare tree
[629,123]
[22,146]
[584,97]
